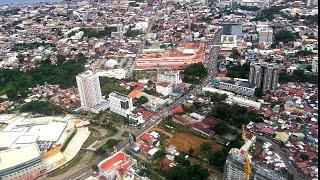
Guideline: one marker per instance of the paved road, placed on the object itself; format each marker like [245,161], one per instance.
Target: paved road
[291,168]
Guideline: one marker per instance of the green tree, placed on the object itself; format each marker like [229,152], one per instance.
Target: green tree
[221,128]
[42,107]
[284,36]
[191,151]
[206,147]
[193,172]
[309,68]
[95,167]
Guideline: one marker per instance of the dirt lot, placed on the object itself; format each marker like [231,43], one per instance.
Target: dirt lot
[183,142]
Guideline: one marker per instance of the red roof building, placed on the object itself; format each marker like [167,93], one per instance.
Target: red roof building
[115,165]
[177,110]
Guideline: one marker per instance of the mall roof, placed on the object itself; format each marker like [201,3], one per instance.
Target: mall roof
[49,132]
[14,157]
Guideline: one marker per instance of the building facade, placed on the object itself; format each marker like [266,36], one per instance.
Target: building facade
[315,65]
[265,36]
[120,104]
[238,87]
[232,29]
[22,166]
[89,90]
[312,3]
[164,88]
[234,169]
[172,77]
[264,75]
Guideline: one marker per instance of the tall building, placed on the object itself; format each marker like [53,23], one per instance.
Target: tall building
[89,90]
[232,29]
[265,36]
[120,104]
[315,65]
[234,168]
[312,3]
[172,77]
[264,75]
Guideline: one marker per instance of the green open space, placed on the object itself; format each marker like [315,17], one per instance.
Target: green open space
[91,139]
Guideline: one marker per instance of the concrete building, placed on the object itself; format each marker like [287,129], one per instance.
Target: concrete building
[117,166]
[164,88]
[315,64]
[234,168]
[238,87]
[89,90]
[232,29]
[172,77]
[264,75]
[135,119]
[265,36]
[120,104]
[113,73]
[21,163]
[312,3]
[228,42]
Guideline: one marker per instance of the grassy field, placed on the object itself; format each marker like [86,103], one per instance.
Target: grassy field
[91,139]
[125,134]
[69,165]
[108,85]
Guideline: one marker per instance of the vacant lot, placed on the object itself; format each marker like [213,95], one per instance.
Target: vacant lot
[183,142]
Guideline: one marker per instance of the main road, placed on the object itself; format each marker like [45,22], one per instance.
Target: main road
[211,66]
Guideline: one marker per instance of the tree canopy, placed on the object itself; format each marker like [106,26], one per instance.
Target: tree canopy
[193,172]
[42,107]
[221,128]
[298,76]
[235,114]
[13,81]
[239,71]
[206,146]
[284,36]
[193,73]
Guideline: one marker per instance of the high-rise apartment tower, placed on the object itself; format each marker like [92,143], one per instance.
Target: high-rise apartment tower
[264,75]
[89,90]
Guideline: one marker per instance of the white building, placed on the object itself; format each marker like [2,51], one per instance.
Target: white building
[311,3]
[120,104]
[21,163]
[238,87]
[172,77]
[89,90]
[244,102]
[228,42]
[164,88]
[113,73]
[135,119]
[265,36]
[315,64]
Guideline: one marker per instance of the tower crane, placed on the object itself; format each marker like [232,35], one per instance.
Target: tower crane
[247,164]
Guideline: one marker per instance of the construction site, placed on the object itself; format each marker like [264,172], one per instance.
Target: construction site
[187,54]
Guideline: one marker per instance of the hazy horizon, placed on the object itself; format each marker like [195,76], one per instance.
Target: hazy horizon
[10,2]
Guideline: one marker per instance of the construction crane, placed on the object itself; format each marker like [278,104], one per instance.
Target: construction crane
[247,164]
